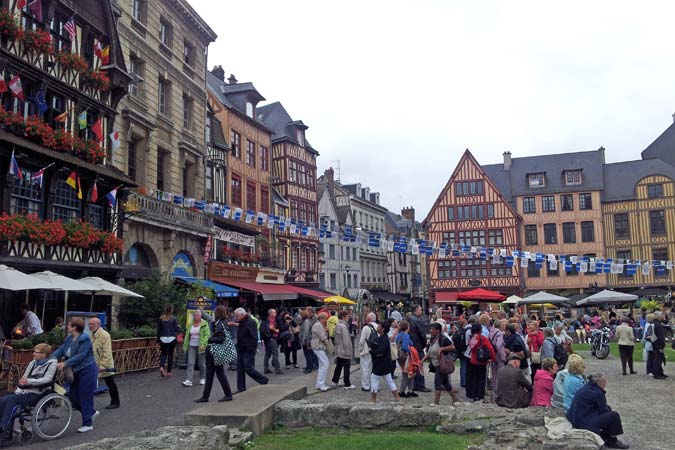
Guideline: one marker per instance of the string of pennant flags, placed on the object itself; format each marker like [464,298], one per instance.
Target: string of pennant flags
[422,247]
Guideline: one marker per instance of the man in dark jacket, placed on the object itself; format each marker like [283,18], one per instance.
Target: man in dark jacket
[418,334]
[514,390]
[247,345]
[589,411]
[659,345]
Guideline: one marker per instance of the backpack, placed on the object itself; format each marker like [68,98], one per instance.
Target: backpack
[559,353]
[459,340]
[265,333]
[373,338]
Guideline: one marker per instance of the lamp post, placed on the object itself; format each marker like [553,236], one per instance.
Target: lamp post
[346,267]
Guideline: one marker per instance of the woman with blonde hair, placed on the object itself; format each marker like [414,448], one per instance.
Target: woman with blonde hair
[559,382]
[319,344]
[574,380]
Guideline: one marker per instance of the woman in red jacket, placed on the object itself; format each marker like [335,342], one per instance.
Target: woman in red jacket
[535,339]
[542,390]
[476,373]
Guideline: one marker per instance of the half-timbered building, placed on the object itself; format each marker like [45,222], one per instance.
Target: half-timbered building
[63,76]
[294,175]
[471,211]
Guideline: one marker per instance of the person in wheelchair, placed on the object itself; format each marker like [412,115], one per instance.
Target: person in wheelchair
[36,381]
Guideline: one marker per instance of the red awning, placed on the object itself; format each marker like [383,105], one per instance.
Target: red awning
[443,297]
[307,292]
[267,290]
[482,295]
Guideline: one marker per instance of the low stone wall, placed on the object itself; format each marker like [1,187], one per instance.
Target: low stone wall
[504,428]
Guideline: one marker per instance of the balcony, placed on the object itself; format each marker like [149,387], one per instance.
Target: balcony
[148,209]
[301,276]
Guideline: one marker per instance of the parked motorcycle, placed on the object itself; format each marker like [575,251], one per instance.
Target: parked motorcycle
[600,342]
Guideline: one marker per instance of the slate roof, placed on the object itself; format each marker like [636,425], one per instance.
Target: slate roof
[501,178]
[276,118]
[234,96]
[663,146]
[621,178]
[278,198]
[400,223]
[342,213]
[213,83]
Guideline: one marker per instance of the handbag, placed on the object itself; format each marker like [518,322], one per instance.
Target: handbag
[67,375]
[446,363]
[330,347]
[482,354]
[225,352]
[535,357]
[394,351]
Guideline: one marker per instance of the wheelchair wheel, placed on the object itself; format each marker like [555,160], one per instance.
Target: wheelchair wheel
[25,437]
[51,416]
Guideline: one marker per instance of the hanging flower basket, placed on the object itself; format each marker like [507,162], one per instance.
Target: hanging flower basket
[97,79]
[72,61]
[37,41]
[8,25]
[38,131]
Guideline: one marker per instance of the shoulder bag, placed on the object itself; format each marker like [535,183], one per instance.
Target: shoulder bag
[224,352]
[446,361]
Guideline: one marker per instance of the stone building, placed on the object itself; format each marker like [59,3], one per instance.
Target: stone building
[404,270]
[162,135]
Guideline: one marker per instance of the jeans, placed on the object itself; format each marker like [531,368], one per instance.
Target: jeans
[81,392]
[463,362]
[192,356]
[650,362]
[340,364]
[112,389]
[219,371]
[8,402]
[290,353]
[375,382]
[323,368]
[271,350]
[309,359]
[167,354]
[366,363]
[246,366]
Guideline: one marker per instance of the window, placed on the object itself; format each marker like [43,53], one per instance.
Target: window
[531,235]
[264,158]
[621,226]
[137,70]
[66,204]
[132,156]
[187,112]
[655,190]
[550,233]
[490,210]
[567,202]
[657,223]
[451,213]
[572,177]
[26,196]
[331,251]
[165,32]
[495,237]
[660,254]
[293,172]
[164,96]
[251,196]
[236,190]
[189,179]
[469,188]
[235,139]
[139,10]
[96,216]
[264,200]
[208,174]
[585,201]
[478,237]
[302,179]
[333,281]
[587,232]
[162,159]
[250,153]
[626,256]
[548,203]
[569,233]
[188,53]
[529,205]
[532,270]
[536,180]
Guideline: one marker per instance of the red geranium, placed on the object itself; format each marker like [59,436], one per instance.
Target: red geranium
[97,79]
[39,41]
[72,61]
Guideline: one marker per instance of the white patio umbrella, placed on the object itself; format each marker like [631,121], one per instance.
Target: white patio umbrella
[60,283]
[607,297]
[513,300]
[13,280]
[543,297]
[103,287]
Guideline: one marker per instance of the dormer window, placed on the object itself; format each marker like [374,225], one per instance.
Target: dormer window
[572,177]
[536,180]
[301,137]
[249,109]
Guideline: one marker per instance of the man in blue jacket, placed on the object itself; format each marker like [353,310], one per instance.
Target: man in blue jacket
[589,411]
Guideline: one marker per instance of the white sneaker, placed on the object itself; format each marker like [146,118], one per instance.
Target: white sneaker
[93,416]
[202,381]
[331,384]
[350,387]
[323,388]
[187,383]
[85,429]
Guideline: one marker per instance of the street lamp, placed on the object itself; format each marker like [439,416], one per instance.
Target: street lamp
[346,291]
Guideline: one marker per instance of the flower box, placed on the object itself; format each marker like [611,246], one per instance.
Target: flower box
[22,356]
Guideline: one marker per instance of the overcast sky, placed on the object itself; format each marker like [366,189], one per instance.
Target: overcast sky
[396,90]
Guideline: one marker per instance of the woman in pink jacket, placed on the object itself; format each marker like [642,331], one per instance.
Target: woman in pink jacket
[542,391]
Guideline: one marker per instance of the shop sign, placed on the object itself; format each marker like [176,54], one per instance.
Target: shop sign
[235,238]
[219,271]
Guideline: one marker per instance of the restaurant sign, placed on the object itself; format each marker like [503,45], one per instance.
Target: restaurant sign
[234,237]
[221,271]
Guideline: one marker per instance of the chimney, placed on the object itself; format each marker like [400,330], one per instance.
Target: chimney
[219,72]
[507,160]
[602,150]
[329,175]
[409,213]
[231,79]
[673,117]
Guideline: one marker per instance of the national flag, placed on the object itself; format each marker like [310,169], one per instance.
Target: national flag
[82,120]
[14,168]
[114,140]
[3,86]
[16,87]
[97,48]
[35,8]
[62,117]
[20,4]
[40,100]
[112,197]
[69,26]
[105,55]
[94,193]
[97,129]
[74,182]
[39,175]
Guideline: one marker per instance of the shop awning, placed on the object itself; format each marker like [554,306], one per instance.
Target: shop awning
[442,297]
[220,289]
[268,291]
[482,295]
[305,291]
[389,296]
